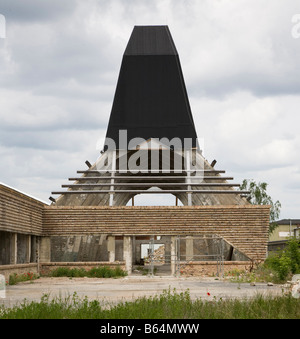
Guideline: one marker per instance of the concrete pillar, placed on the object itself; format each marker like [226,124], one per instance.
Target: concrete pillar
[173,254]
[28,248]
[45,249]
[13,248]
[112,181]
[127,253]
[189,248]
[188,180]
[33,251]
[111,247]
[5,239]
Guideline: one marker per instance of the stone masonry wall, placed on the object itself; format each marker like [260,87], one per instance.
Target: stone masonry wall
[244,227]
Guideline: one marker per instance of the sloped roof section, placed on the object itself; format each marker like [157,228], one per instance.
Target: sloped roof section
[151,40]
[151,100]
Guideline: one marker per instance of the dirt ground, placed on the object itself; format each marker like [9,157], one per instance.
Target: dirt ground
[110,291]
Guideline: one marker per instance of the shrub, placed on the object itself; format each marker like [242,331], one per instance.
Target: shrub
[95,272]
[68,272]
[106,272]
[285,262]
[16,278]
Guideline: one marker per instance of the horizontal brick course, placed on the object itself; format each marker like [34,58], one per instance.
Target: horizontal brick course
[245,227]
[20,213]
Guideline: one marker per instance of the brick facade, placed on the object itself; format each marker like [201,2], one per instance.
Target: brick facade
[244,227]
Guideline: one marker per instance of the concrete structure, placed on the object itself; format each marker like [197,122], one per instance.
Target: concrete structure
[39,234]
[90,222]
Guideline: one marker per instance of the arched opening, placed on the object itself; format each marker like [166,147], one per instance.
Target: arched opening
[154,199]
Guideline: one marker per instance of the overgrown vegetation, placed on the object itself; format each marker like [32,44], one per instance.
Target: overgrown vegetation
[95,272]
[168,305]
[286,262]
[16,278]
[277,268]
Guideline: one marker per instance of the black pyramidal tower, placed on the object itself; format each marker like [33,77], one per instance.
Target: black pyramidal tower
[151,102]
[151,99]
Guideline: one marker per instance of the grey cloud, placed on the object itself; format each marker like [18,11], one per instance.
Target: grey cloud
[36,10]
[60,66]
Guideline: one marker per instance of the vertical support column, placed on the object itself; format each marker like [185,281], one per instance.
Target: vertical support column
[112,180]
[188,180]
[173,254]
[127,253]
[28,248]
[189,248]
[13,248]
[45,249]
[111,247]
[33,254]
[133,250]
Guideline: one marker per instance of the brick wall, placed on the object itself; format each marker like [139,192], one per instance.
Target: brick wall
[208,268]
[245,227]
[20,213]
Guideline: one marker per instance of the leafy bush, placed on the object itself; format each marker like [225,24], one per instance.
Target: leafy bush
[68,272]
[285,262]
[106,272]
[277,268]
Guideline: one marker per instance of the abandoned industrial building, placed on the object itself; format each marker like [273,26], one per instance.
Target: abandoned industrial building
[151,147]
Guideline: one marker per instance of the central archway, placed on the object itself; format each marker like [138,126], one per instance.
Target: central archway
[155,199]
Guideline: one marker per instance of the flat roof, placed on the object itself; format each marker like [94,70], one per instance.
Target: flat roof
[287,221]
[28,195]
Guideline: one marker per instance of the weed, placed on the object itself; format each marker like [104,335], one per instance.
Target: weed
[95,272]
[16,278]
[168,305]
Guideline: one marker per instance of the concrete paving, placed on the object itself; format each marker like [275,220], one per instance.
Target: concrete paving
[110,291]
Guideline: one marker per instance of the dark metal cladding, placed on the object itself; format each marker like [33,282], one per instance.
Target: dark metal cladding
[151,99]
[151,40]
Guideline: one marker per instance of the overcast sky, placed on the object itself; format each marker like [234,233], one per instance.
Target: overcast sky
[59,65]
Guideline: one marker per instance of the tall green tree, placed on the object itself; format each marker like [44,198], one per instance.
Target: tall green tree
[259,196]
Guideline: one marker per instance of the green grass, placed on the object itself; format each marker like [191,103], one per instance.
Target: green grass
[95,272]
[168,305]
